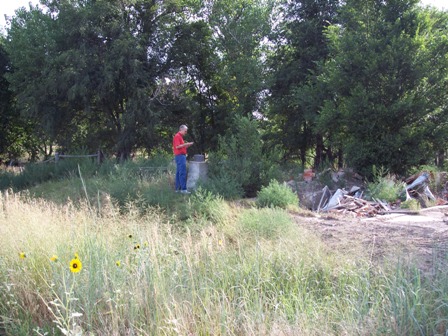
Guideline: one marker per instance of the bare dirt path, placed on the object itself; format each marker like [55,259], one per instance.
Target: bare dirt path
[419,237]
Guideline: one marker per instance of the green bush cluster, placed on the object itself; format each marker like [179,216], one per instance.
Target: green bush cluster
[265,223]
[36,173]
[276,195]
[241,165]
[384,186]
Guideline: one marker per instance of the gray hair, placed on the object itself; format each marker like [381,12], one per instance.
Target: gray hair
[183,127]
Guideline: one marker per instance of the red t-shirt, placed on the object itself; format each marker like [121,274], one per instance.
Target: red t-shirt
[179,140]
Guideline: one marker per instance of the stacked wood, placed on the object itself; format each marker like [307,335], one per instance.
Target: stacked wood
[359,207]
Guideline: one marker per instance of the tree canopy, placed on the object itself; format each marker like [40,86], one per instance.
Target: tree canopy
[356,83]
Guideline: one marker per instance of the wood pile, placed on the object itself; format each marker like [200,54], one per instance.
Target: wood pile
[359,207]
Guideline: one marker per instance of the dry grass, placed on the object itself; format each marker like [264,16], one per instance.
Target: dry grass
[217,280]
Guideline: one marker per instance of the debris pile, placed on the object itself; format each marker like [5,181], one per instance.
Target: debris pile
[357,206]
[318,196]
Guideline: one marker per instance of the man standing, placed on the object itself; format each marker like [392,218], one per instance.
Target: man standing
[180,154]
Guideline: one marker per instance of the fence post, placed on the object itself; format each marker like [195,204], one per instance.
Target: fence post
[56,157]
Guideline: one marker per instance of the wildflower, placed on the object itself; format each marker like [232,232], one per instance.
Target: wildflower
[118,263]
[54,258]
[129,235]
[136,247]
[146,244]
[76,256]
[22,255]
[220,242]
[75,265]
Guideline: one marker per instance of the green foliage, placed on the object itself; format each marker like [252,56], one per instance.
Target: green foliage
[357,83]
[276,195]
[265,223]
[90,74]
[383,107]
[411,204]
[240,158]
[16,133]
[34,173]
[257,271]
[384,186]
[224,185]
[296,95]
[224,52]
[131,184]
[207,205]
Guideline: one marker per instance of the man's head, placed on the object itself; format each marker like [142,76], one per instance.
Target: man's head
[183,129]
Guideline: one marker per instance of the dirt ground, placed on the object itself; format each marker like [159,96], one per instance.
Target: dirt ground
[418,237]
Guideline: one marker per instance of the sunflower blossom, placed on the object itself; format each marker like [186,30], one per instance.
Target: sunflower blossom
[118,263]
[75,265]
[54,258]
[22,255]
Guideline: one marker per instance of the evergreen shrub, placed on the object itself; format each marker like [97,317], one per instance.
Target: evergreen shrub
[240,162]
[276,195]
[384,186]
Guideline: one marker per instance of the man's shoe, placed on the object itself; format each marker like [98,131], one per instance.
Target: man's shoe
[185,192]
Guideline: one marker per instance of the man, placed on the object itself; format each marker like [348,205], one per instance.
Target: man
[180,154]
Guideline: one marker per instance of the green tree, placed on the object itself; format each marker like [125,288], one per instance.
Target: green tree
[242,159]
[387,75]
[300,48]
[223,72]
[91,72]
[16,134]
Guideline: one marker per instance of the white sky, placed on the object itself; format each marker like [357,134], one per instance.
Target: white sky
[8,6]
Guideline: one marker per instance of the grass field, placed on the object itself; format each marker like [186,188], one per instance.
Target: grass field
[191,265]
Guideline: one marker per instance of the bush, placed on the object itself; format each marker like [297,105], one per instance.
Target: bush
[276,195]
[209,206]
[240,160]
[265,223]
[224,186]
[384,186]
[411,204]
[34,174]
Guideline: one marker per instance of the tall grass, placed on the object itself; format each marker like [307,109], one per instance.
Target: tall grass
[229,276]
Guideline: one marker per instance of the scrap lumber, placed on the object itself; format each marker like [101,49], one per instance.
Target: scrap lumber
[359,207]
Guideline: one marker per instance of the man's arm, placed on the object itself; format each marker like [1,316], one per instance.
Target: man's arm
[186,144]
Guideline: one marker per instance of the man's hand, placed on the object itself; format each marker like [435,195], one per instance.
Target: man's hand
[185,144]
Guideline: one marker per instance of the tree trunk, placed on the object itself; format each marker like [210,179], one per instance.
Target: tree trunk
[440,158]
[340,158]
[319,151]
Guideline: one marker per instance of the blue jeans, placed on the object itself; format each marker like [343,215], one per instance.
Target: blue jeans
[181,172]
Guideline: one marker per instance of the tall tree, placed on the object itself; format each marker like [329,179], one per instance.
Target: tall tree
[91,70]
[301,46]
[387,73]
[16,133]
[222,65]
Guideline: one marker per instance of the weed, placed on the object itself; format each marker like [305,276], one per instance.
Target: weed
[276,195]
[385,187]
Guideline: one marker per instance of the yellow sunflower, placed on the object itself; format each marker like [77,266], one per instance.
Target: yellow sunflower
[118,263]
[137,246]
[54,258]
[129,235]
[75,265]
[76,256]
[22,255]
